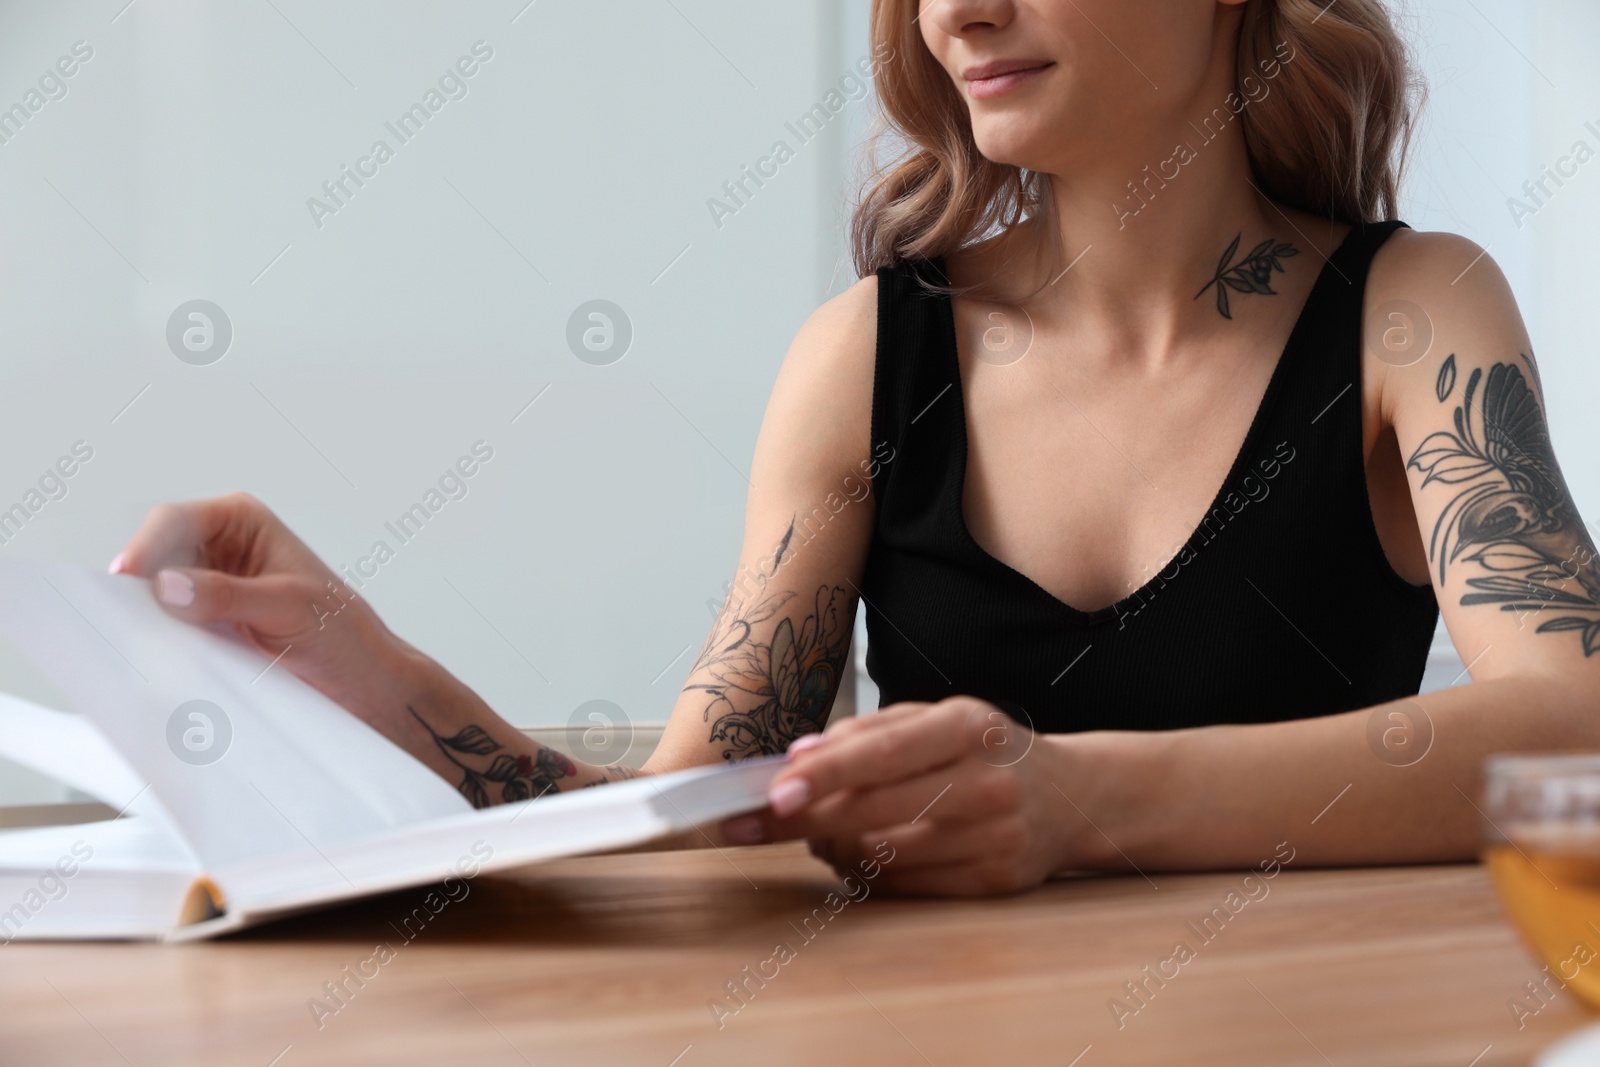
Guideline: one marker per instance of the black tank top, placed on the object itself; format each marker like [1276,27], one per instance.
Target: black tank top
[1280,605]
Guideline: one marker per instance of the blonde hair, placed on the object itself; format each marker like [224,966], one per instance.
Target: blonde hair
[1331,139]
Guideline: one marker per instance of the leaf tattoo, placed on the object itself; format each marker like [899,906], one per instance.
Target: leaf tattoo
[1447,379]
[1512,514]
[1252,274]
[474,740]
[766,693]
[519,777]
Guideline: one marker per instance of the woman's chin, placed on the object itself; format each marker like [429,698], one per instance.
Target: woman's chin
[1017,141]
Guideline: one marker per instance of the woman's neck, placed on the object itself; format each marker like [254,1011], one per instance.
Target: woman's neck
[1148,259]
[1135,231]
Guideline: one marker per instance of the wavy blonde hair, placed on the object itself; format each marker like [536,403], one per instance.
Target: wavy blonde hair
[1331,139]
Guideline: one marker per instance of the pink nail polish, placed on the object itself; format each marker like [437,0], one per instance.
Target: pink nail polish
[175,588]
[789,796]
[116,565]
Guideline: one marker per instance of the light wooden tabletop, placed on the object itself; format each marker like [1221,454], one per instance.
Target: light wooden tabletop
[619,959]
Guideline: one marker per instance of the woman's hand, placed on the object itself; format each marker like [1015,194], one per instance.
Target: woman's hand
[230,559]
[964,795]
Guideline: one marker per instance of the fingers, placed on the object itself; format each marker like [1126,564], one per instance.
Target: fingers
[963,791]
[929,843]
[935,787]
[168,534]
[216,532]
[846,727]
[274,605]
[887,747]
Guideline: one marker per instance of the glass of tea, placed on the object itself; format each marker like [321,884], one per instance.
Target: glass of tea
[1542,848]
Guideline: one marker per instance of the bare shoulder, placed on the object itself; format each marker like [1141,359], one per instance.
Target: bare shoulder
[1448,276]
[841,332]
[1433,297]
[821,404]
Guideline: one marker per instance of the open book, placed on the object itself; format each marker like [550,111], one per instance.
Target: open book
[244,794]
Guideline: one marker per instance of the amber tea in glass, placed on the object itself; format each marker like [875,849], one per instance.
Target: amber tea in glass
[1542,849]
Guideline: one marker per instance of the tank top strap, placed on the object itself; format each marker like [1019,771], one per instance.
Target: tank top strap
[916,372]
[1322,376]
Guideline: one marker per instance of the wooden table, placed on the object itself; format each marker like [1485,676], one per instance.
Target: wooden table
[616,959]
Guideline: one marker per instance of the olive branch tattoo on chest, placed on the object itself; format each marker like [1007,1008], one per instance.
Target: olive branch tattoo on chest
[771,682]
[1511,514]
[520,777]
[1252,274]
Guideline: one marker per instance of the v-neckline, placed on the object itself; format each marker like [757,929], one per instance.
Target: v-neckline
[1274,387]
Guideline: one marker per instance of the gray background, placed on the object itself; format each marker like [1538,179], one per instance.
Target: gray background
[424,316]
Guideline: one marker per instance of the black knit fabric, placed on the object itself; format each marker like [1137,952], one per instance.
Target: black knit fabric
[1281,605]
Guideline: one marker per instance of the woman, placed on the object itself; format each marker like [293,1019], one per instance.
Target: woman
[1174,450]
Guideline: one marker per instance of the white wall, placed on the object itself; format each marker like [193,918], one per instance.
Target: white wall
[426,313]
[1567,237]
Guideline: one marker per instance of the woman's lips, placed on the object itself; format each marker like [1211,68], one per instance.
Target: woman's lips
[984,88]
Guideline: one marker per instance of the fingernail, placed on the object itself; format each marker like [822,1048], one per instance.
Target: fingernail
[116,564]
[745,830]
[175,588]
[800,744]
[789,796]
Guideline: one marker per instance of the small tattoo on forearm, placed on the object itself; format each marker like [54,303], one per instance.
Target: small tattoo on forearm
[520,777]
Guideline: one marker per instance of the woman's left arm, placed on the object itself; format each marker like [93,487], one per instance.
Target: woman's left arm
[1517,578]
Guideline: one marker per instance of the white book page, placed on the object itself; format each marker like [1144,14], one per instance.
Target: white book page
[122,878]
[270,767]
[98,848]
[69,749]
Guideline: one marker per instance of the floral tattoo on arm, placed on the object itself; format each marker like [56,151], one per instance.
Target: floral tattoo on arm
[519,777]
[1511,514]
[770,683]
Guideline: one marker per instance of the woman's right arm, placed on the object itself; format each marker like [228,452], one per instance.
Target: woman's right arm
[768,671]
[230,560]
